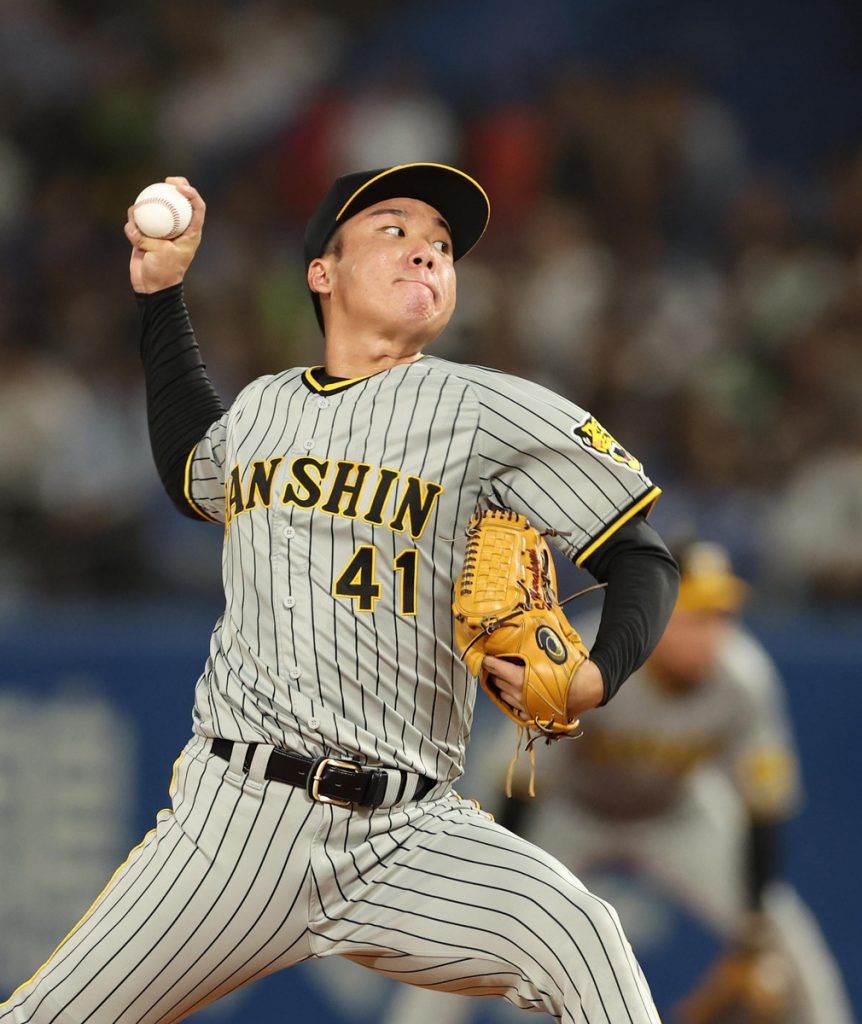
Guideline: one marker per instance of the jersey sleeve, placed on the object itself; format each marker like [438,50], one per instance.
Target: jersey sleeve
[761,758]
[204,480]
[554,462]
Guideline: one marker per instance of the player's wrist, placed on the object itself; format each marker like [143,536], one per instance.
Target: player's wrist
[162,284]
[156,287]
[160,297]
[587,689]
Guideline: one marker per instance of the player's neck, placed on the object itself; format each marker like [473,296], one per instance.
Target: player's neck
[365,355]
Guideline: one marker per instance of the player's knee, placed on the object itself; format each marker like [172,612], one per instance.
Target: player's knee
[578,930]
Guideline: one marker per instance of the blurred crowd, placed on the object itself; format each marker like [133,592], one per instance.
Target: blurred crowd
[705,307]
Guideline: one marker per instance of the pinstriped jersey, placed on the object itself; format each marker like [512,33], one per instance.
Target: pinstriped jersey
[345,507]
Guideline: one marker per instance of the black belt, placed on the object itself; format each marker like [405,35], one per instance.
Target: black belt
[329,780]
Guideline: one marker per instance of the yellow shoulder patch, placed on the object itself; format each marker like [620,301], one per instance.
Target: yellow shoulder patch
[590,434]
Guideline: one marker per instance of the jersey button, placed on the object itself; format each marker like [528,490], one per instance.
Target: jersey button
[289,532]
[323,403]
[314,723]
[309,444]
[289,602]
[295,672]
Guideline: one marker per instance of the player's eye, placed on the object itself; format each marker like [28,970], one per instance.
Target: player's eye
[394,229]
[443,246]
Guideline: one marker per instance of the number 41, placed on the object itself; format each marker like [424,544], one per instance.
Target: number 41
[358,579]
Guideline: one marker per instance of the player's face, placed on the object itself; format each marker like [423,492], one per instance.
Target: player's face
[687,651]
[395,271]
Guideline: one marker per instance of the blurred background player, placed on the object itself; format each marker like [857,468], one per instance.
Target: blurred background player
[690,780]
[687,779]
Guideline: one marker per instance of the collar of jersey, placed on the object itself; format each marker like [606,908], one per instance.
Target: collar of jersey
[338,385]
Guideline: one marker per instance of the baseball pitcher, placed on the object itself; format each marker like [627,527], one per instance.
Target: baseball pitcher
[313,812]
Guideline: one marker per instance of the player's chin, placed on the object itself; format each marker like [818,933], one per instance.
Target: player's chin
[419,304]
[423,320]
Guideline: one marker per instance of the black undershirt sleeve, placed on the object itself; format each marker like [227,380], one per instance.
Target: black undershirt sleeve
[764,860]
[642,583]
[181,402]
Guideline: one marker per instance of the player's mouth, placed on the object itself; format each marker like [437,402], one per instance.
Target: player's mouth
[415,280]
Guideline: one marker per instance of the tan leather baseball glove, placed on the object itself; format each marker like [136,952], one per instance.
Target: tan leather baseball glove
[505,604]
[750,983]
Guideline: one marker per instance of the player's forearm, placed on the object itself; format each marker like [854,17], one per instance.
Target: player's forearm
[181,401]
[642,583]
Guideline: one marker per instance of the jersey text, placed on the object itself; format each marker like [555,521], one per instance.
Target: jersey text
[352,490]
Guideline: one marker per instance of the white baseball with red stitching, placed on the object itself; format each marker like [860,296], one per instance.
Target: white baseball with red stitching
[162,211]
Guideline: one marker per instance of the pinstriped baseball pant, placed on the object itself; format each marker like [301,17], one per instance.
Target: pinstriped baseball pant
[244,877]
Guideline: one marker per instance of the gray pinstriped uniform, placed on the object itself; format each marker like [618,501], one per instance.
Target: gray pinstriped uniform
[344,506]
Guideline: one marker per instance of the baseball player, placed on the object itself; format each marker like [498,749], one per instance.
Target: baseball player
[313,812]
[688,777]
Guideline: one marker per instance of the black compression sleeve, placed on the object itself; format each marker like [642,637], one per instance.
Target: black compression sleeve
[642,583]
[181,402]
[764,848]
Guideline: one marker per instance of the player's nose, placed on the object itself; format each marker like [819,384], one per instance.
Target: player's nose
[423,253]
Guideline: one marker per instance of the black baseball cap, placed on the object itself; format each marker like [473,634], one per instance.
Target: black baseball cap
[460,201]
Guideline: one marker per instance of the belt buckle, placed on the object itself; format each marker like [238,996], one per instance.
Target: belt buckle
[315,777]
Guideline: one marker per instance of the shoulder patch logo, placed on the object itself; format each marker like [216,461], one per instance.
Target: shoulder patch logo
[590,434]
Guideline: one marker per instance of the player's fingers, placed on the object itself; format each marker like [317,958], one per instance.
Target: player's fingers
[135,235]
[199,207]
[176,179]
[511,671]
[131,223]
[147,244]
[513,702]
[513,692]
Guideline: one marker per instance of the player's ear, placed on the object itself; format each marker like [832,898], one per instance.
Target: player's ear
[318,276]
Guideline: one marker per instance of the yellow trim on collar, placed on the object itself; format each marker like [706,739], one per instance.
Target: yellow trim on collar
[308,376]
[187,489]
[638,506]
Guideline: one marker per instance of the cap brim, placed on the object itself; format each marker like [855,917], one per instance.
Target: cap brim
[460,201]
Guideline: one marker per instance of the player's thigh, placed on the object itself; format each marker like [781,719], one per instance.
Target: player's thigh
[467,906]
[211,899]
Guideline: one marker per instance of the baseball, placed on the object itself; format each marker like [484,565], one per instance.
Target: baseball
[162,211]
